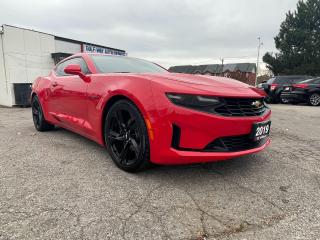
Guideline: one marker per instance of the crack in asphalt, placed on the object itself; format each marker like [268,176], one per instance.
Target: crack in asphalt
[139,208]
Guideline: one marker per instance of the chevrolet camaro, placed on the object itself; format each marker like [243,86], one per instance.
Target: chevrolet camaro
[144,114]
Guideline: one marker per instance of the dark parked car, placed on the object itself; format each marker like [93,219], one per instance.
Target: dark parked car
[304,92]
[274,86]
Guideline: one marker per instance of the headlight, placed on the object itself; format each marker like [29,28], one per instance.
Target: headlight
[199,102]
[266,101]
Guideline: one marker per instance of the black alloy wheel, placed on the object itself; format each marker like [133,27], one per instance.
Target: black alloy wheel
[314,99]
[283,100]
[126,137]
[38,118]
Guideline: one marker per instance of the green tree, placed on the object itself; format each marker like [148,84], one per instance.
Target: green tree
[298,42]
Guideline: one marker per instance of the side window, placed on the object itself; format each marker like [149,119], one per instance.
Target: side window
[76,60]
[60,69]
[82,63]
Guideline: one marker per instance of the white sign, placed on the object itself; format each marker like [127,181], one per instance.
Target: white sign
[95,49]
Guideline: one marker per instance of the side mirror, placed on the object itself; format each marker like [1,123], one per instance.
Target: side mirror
[75,69]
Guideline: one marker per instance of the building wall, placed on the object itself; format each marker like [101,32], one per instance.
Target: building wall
[4,89]
[27,55]
[248,78]
[67,47]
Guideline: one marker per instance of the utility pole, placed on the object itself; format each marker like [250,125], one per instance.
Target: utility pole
[222,60]
[257,68]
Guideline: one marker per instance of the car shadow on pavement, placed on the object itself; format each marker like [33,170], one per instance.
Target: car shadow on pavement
[241,165]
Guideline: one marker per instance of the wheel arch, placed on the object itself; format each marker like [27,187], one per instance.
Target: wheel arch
[33,94]
[112,100]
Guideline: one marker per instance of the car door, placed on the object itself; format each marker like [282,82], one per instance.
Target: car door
[68,96]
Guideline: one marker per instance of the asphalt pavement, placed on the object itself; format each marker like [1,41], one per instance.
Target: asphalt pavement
[59,185]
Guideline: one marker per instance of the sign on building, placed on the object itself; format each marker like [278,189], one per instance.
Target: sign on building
[96,49]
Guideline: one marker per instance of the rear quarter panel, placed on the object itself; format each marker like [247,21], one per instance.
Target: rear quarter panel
[41,87]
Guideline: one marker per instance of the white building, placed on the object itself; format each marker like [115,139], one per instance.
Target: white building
[26,54]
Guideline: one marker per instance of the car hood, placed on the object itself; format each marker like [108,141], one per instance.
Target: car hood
[211,85]
[202,80]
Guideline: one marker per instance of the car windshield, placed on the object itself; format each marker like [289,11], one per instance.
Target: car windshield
[120,64]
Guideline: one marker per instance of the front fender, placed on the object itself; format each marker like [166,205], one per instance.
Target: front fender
[125,94]
[137,90]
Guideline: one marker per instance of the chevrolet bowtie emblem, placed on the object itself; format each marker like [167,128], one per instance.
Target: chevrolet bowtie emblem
[256,104]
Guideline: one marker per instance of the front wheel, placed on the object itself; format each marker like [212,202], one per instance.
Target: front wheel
[314,99]
[126,137]
[39,121]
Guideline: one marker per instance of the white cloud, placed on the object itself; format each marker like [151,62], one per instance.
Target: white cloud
[168,32]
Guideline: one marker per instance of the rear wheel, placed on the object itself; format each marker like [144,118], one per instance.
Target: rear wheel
[314,99]
[38,118]
[283,100]
[126,137]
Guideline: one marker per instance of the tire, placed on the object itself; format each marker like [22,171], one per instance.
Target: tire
[314,99]
[126,137]
[284,101]
[39,121]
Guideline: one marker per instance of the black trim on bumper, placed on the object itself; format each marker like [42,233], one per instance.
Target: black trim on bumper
[223,144]
[234,144]
[176,132]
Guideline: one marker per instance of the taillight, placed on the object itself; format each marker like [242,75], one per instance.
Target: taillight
[301,85]
[273,86]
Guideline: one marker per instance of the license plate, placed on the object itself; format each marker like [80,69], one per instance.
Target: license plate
[287,89]
[260,130]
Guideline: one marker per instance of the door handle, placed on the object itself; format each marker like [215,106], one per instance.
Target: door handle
[54,84]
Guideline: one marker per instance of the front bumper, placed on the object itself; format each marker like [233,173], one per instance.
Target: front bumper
[197,131]
[189,157]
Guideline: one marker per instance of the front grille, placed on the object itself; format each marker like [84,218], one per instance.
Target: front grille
[238,107]
[234,144]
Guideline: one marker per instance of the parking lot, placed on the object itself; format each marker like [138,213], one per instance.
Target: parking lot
[59,185]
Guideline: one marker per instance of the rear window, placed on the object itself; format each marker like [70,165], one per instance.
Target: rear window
[314,80]
[271,80]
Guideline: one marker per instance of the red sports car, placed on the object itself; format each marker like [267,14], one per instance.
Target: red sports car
[143,114]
